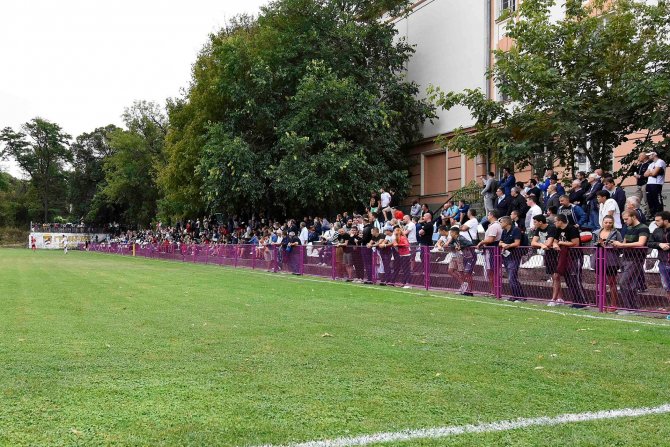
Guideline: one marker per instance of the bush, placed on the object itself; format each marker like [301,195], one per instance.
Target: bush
[13,237]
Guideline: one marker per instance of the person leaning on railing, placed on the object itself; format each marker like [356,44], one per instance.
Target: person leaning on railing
[632,262]
[604,239]
[510,241]
[570,259]
[660,241]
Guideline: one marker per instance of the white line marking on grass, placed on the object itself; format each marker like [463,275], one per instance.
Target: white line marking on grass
[490,427]
[491,302]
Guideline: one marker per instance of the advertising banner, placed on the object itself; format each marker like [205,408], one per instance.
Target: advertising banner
[54,241]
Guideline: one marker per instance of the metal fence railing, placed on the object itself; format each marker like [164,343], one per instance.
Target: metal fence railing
[605,279]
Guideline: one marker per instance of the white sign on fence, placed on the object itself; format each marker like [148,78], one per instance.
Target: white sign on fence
[54,241]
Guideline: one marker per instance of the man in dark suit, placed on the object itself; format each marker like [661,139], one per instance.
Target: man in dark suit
[503,202]
[577,194]
[552,197]
[591,200]
[618,194]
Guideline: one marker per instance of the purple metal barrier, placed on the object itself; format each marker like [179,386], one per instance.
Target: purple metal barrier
[607,278]
[469,271]
[558,277]
[638,279]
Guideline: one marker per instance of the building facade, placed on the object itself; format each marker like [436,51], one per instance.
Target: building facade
[454,41]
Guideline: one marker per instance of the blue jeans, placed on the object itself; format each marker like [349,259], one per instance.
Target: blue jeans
[512,263]
[594,217]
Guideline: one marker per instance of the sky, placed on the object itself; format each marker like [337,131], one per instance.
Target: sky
[79,63]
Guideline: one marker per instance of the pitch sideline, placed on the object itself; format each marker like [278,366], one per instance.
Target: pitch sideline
[489,427]
[408,292]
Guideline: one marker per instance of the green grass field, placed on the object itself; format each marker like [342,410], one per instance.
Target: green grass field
[105,350]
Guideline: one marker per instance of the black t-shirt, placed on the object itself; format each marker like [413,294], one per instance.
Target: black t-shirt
[567,234]
[547,233]
[375,239]
[642,180]
[633,235]
[427,238]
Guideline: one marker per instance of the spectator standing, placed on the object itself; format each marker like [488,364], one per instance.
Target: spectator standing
[608,207]
[502,202]
[507,182]
[533,210]
[385,203]
[574,213]
[410,229]
[402,269]
[660,241]
[583,179]
[489,191]
[533,190]
[615,192]
[638,169]
[374,202]
[543,239]
[552,197]
[510,240]
[470,228]
[577,194]
[491,239]
[366,247]
[592,203]
[463,259]
[415,211]
[655,175]
[604,239]
[570,260]
[304,233]
[632,260]
[518,203]
[425,230]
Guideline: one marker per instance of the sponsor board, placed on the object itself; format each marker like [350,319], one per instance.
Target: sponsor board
[54,241]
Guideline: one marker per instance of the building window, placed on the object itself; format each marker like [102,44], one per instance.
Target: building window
[502,96]
[506,6]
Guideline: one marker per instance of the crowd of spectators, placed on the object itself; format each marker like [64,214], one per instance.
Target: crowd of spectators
[543,215]
[593,211]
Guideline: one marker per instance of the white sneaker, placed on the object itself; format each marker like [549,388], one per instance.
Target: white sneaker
[560,302]
[552,304]
[406,287]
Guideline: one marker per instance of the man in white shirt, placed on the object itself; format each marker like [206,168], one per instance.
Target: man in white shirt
[533,210]
[469,228]
[385,199]
[655,179]
[608,207]
[65,244]
[491,238]
[410,230]
[304,233]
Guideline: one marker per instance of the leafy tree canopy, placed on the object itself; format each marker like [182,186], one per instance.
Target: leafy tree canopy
[304,108]
[41,149]
[582,84]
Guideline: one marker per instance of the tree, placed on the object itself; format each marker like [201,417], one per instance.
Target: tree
[42,151]
[131,169]
[305,108]
[582,84]
[87,178]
